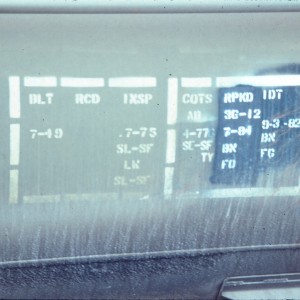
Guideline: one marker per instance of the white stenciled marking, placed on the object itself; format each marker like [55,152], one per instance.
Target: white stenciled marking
[270,80]
[252,192]
[172,101]
[168,186]
[40,81]
[196,82]
[14,144]
[81,82]
[41,198]
[171,146]
[132,82]
[14,97]
[13,186]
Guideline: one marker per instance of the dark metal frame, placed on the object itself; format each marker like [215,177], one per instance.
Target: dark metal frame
[147,6]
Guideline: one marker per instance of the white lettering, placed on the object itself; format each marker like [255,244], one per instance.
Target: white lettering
[231,114]
[269,152]
[194,116]
[228,163]
[188,145]
[120,181]
[233,97]
[207,156]
[49,97]
[205,145]
[39,99]
[87,98]
[272,94]
[268,137]
[229,148]
[145,148]
[195,99]
[294,123]
[130,98]
[131,165]
[123,149]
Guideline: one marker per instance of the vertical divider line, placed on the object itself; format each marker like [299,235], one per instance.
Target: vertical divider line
[168,186]
[172,111]
[14,144]
[172,101]
[13,186]
[171,146]
[14,97]
[14,137]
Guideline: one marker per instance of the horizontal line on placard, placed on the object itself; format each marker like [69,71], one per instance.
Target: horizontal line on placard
[133,82]
[196,82]
[261,81]
[40,81]
[81,82]
[251,192]
[69,197]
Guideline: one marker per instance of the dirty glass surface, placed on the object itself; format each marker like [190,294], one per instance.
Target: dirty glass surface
[144,133]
